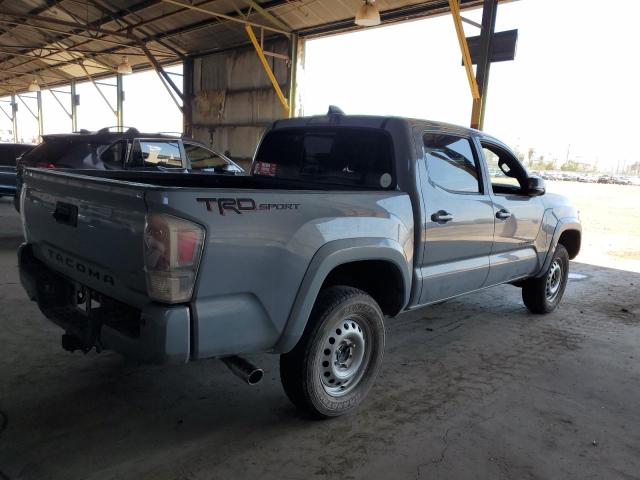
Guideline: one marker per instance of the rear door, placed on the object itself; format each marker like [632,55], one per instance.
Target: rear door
[517,216]
[458,234]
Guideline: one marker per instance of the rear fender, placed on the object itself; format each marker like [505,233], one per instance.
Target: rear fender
[328,257]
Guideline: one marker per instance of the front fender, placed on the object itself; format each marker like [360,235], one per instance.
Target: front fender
[328,257]
[564,224]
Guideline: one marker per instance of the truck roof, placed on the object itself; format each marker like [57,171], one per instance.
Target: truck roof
[375,121]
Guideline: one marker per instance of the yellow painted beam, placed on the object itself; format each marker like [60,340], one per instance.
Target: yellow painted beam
[464,48]
[267,68]
[476,113]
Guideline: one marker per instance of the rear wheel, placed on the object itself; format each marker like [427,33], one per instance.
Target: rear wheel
[542,295]
[335,363]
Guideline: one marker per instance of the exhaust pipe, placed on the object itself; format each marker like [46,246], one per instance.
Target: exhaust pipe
[243,369]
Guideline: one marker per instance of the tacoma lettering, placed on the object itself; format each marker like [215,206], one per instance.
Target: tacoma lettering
[81,267]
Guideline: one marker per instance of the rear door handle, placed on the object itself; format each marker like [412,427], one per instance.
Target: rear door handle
[441,216]
[503,214]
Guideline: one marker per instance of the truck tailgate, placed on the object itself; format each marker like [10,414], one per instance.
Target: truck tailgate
[89,229]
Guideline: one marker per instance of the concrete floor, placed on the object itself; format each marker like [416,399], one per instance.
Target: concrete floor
[472,388]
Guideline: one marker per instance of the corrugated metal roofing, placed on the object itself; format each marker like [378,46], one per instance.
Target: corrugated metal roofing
[54,41]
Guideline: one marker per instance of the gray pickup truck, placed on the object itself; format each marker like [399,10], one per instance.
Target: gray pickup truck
[345,220]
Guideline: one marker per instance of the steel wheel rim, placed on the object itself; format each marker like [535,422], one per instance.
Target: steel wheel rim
[554,280]
[343,356]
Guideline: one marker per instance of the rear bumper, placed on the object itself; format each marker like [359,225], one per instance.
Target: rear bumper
[157,333]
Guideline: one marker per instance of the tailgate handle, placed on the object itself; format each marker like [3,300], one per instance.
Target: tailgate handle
[66,213]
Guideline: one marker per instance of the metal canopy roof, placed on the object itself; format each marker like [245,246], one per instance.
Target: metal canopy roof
[55,41]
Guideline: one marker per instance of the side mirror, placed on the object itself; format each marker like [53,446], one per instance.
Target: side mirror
[535,186]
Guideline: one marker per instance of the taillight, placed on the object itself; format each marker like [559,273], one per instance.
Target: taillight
[172,251]
[44,165]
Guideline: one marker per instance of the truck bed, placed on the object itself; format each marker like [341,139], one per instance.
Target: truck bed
[261,237]
[206,180]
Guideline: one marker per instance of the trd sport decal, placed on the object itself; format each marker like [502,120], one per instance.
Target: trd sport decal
[243,205]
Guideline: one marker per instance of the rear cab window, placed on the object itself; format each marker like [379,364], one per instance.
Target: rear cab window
[357,157]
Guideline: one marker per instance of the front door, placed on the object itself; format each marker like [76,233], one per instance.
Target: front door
[458,231]
[518,216]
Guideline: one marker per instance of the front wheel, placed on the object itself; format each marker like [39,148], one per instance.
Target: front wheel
[542,295]
[335,363]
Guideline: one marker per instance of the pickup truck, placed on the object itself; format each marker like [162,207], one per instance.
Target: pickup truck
[344,220]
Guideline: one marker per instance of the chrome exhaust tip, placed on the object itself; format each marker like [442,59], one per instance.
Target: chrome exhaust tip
[244,369]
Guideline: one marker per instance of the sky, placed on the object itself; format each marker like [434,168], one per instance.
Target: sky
[571,92]
[572,88]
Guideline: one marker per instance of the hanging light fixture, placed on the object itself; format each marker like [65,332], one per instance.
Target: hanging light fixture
[125,67]
[368,14]
[33,86]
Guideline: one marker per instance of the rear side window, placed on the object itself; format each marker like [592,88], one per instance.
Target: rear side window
[451,164]
[340,156]
[64,153]
[155,153]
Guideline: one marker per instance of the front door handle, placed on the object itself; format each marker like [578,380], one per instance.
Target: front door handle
[441,216]
[503,214]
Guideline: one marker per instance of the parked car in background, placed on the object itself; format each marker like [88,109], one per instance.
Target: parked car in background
[124,150]
[586,178]
[605,179]
[9,152]
[621,181]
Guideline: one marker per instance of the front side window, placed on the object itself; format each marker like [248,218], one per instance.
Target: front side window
[451,164]
[156,153]
[506,173]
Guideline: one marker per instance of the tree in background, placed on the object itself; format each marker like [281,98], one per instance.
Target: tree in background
[530,155]
[633,169]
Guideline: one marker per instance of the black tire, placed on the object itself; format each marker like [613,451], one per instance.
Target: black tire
[311,373]
[538,294]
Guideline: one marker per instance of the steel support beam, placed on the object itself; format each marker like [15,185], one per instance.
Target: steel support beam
[74,107]
[268,15]
[104,97]
[187,97]
[296,52]
[40,118]
[119,101]
[223,16]
[14,118]
[54,93]
[489,13]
